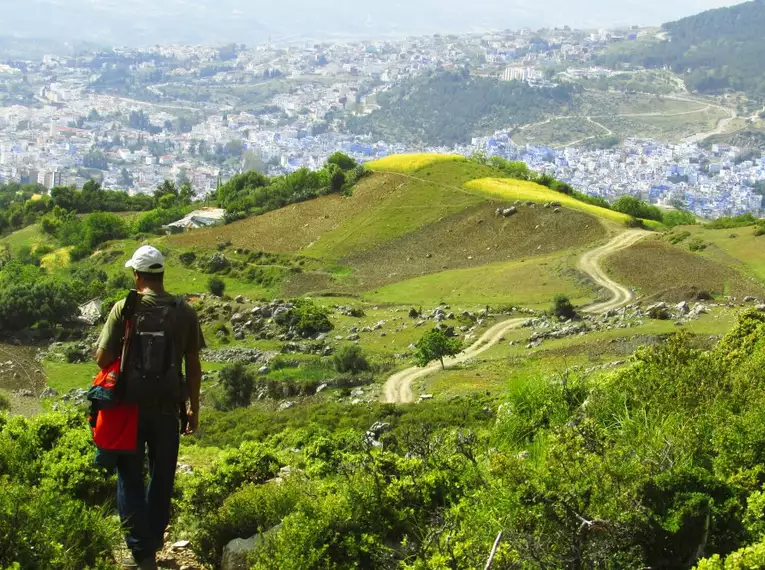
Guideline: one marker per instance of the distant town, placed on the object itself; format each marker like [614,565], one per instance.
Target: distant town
[132,118]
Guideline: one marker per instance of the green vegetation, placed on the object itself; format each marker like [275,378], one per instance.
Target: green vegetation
[350,359]
[436,345]
[636,466]
[253,193]
[563,308]
[216,286]
[726,223]
[637,208]
[235,386]
[52,512]
[716,51]
[447,108]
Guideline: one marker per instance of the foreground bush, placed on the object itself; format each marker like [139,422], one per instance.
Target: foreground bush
[55,505]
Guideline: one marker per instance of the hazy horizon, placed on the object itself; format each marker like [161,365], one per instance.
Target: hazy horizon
[147,22]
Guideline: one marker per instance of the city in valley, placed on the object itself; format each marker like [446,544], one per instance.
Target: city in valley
[132,118]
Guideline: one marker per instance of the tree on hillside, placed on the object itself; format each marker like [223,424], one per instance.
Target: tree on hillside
[637,208]
[342,160]
[237,383]
[563,308]
[435,345]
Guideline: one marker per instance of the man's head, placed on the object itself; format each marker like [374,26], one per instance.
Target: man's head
[148,265]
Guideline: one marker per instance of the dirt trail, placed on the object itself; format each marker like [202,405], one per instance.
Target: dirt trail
[398,388]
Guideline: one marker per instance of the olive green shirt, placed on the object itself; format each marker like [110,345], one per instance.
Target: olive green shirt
[188,334]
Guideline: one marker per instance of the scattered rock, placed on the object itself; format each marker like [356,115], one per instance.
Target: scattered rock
[761,308]
[750,299]
[181,544]
[48,393]
[683,308]
[285,405]
[236,552]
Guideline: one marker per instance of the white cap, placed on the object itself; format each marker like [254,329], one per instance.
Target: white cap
[147,259]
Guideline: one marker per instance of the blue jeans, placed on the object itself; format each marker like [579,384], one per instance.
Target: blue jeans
[145,509]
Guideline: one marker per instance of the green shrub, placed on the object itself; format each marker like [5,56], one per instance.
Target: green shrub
[563,308]
[250,510]
[216,286]
[697,244]
[637,208]
[187,258]
[204,491]
[5,403]
[237,383]
[350,359]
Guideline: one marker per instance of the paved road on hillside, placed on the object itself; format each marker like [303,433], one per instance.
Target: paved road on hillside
[398,388]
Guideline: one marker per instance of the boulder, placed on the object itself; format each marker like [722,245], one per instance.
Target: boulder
[507,212]
[236,552]
[761,308]
[239,299]
[750,299]
[683,308]
[48,393]
[239,335]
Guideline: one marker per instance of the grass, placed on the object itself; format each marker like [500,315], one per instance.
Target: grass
[531,283]
[673,273]
[30,236]
[738,248]
[471,238]
[502,368]
[507,189]
[411,162]
[63,376]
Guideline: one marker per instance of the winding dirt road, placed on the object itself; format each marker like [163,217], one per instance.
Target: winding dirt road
[398,388]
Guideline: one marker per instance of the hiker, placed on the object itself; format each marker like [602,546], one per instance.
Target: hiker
[166,333]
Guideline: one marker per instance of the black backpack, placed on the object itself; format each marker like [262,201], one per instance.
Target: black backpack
[150,372]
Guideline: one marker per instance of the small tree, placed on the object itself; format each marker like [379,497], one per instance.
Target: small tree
[435,345]
[563,308]
[237,383]
[350,358]
[216,286]
[342,160]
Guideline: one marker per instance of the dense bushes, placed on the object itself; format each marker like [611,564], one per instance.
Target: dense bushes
[254,193]
[637,208]
[50,506]
[563,308]
[236,383]
[350,359]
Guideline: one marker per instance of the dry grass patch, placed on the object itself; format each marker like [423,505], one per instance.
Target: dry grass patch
[411,162]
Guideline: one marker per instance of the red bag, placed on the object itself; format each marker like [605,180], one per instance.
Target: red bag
[117,428]
[115,425]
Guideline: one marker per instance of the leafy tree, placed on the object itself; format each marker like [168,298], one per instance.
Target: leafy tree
[563,308]
[435,345]
[336,178]
[342,160]
[216,286]
[237,383]
[637,208]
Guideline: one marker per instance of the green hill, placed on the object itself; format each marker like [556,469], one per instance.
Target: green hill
[715,51]
[447,108]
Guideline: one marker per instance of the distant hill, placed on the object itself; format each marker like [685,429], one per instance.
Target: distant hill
[716,50]
[448,108]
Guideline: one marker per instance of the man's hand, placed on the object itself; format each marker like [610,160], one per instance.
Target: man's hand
[193,422]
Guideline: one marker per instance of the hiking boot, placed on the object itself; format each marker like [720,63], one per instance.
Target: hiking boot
[129,563]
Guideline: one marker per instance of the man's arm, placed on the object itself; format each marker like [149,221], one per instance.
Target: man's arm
[104,358]
[194,382]
[110,340]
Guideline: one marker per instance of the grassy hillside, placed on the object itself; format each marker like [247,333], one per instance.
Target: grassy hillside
[669,272]
[421,217]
